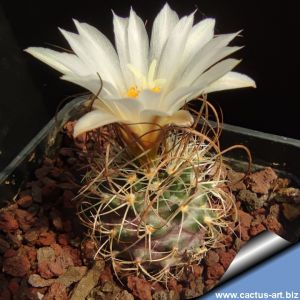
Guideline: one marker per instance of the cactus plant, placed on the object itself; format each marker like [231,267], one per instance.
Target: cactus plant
[157,215]
[153,197]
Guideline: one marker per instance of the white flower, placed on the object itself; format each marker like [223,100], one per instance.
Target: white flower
[142,81]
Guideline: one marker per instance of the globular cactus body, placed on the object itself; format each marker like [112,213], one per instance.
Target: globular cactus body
[157,218]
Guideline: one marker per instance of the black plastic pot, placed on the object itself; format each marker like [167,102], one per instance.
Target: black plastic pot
[281,153]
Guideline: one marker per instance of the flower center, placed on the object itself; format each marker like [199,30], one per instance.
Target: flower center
[156,89]
[143,82]
[134,92]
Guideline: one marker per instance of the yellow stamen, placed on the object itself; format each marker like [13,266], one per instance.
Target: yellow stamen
[156,89]
[133,92]
[145,81]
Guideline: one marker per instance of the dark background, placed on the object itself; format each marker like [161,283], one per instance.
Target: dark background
[31,90]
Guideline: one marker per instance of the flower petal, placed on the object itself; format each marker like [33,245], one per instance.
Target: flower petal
[200,34]
[149,99]
[123,109]
[92,120]
[177,95]
[163,24]
[65,63]
[183,95]
[80,49]
[181,118]
[101,105]
[138,43]
[213,74]
[216,72]
[147,115]
[121,41]
[232,80]
[103,53]
[169,64]
[190,75]
[213,51]
[93,84]
[126,109]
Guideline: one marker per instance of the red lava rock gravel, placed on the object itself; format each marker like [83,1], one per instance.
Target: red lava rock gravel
[261,182]
[8,223]
[17,266]
[45,253]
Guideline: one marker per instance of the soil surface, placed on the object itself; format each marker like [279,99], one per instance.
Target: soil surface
[45,253]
